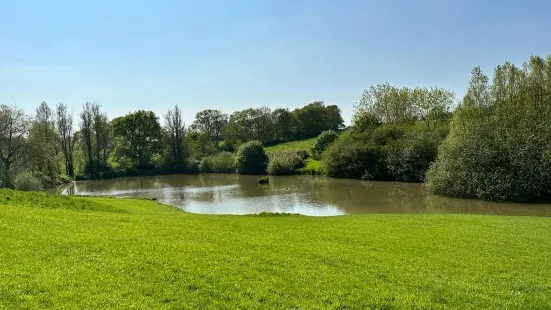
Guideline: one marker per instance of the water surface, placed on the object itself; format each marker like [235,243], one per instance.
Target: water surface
[320,196]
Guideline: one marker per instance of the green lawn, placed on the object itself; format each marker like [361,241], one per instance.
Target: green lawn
[98,253]
[293,145]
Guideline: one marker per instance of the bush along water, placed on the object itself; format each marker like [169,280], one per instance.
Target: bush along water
[26,181]
[499,146]
[384,152]
[251,159]
[223,162]
[286,162]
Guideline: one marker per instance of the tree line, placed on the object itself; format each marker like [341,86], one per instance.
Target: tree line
[54,146]
[495,144]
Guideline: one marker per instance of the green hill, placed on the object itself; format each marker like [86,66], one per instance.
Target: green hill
[293,145]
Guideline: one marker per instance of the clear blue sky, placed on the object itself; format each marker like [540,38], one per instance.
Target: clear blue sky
[230,55]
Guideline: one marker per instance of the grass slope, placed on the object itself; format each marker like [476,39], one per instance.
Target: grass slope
[293,145]
[101,253]
[311,166]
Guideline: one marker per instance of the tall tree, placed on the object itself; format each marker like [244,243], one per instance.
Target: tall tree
[67,137]
[86,132]
[43,146]
[211,123]
[140,136]
[175,129]
[14,127]
[102,133]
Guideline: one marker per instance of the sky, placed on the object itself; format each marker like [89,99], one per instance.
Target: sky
[231,55]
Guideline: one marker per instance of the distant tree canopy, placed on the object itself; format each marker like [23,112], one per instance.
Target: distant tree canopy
[315,118]
[384,103]
[268,126]
[499,146]
[52,146]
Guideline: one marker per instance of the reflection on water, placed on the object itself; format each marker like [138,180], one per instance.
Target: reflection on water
[233,194]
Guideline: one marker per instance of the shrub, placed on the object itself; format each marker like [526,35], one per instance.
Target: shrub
[251,158]
[281,166]
[354,157]
[192,165]
[408,159]
[322,142]
[26,181]
[286,162]
[223,162]
[264,180]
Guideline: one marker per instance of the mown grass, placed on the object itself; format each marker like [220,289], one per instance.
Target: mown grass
[97,253]
[293,145]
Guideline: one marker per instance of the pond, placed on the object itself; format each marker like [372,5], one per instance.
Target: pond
[318,196]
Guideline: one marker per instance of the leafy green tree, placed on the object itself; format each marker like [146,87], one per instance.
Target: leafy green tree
[322,142]
[284,124]
[211,123]
[140,137]
[314,118]
[250,124]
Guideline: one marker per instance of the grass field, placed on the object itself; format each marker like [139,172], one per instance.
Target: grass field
[293,145]
[98,253]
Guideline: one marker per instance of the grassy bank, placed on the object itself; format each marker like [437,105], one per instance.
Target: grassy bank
[114,253]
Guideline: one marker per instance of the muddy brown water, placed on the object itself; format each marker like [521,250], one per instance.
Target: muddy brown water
[317,196]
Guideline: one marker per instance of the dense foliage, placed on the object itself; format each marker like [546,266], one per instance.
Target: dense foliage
[322,142]
[26,181]
[395,135]
[223,162]
[499,146]
[251,158]
[286,162]
[270,127]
